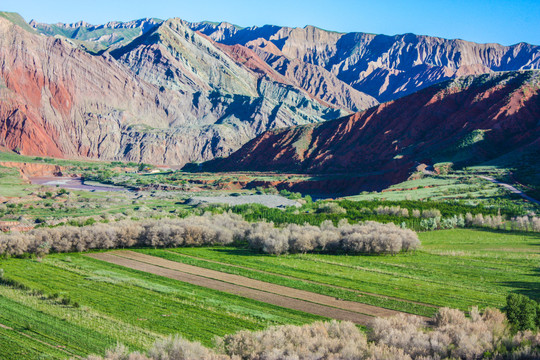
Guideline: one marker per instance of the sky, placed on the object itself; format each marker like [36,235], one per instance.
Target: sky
[502,21]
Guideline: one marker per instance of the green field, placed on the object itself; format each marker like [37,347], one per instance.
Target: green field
[455,268]
[438,187]
[11,183]
[115,304]
[109,304]
[76,305]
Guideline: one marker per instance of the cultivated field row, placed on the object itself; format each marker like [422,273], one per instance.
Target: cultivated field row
[283,296]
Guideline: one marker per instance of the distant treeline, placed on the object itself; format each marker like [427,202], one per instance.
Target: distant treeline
[415,215]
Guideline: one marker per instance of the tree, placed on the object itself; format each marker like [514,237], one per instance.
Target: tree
[522,312]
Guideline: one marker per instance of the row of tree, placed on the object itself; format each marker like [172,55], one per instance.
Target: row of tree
[216,229]
[368,237]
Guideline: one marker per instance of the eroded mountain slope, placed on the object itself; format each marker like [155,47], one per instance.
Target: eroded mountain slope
[469,120]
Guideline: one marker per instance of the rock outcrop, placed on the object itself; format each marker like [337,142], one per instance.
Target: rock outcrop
[28,170]
[468,120]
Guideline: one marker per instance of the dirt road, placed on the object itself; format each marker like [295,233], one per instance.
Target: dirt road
[254,289]
[511,188]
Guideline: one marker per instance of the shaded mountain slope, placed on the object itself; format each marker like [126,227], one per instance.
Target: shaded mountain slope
[469,120]
[223,88]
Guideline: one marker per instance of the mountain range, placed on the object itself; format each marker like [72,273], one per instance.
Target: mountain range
[467,121]
[173,92]
[170,96]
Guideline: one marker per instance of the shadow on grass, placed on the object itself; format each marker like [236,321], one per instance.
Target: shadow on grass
[245,251]
[241,251]
[530,289]
[533,235]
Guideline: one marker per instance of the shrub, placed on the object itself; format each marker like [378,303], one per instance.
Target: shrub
[368,237]
[429,224]
[331,340]
[331,208]
[177,348]
[523,313]
[392,210]
[525,223]
[404,337]
[431,213]
[220,229]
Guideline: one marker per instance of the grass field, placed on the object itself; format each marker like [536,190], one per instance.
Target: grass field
[118,304]
[438,187]
[11,183]
[456,268]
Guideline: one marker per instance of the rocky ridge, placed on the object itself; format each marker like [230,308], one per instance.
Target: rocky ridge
[112,34]
[384,67]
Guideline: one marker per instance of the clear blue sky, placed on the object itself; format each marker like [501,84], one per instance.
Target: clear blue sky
[503,21]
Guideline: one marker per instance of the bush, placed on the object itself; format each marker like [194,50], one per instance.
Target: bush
[369,237]
[331,340]
[392,211]
[526,223]
[431,213]
[330,208]
[404,337]
[220,229]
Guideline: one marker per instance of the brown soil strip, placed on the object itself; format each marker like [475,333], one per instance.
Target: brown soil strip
[261,285]
[41,341]
[305,280]
[261,291]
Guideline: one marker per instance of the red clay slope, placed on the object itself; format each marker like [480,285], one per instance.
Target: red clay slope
[59,101]
[470,119]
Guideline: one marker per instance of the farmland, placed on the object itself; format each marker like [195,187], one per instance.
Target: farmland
[446,272]
[118,304]
[158,193]
[74,304]
[109,303]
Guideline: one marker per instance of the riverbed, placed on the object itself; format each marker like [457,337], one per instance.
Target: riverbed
[71,183]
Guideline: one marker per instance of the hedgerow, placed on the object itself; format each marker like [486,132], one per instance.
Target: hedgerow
[217,229]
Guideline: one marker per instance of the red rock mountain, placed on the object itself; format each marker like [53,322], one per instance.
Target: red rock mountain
[60,101]
[385,67]
[172,92]
[469,120]
[168,97]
